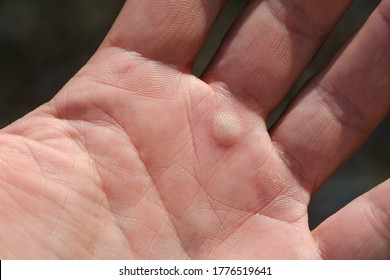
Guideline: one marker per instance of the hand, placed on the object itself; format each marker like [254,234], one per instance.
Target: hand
[137,158]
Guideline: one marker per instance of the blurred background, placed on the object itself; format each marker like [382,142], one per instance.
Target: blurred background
[44,42]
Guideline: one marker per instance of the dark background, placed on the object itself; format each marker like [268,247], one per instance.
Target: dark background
[44,42]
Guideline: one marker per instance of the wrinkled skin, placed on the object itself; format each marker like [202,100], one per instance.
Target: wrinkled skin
[127,161]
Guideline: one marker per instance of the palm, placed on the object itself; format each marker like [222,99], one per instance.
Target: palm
[138,159]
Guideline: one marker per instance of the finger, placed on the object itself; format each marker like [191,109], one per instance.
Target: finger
[361,230]
[340,108]
[168,31]
[270,47]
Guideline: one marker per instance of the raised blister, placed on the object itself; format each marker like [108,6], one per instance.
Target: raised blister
[226,128]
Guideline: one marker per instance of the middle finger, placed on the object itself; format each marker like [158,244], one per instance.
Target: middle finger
[270,47]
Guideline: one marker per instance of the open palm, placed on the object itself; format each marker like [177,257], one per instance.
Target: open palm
[137,158]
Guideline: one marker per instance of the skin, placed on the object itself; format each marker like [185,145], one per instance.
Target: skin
[136,158]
